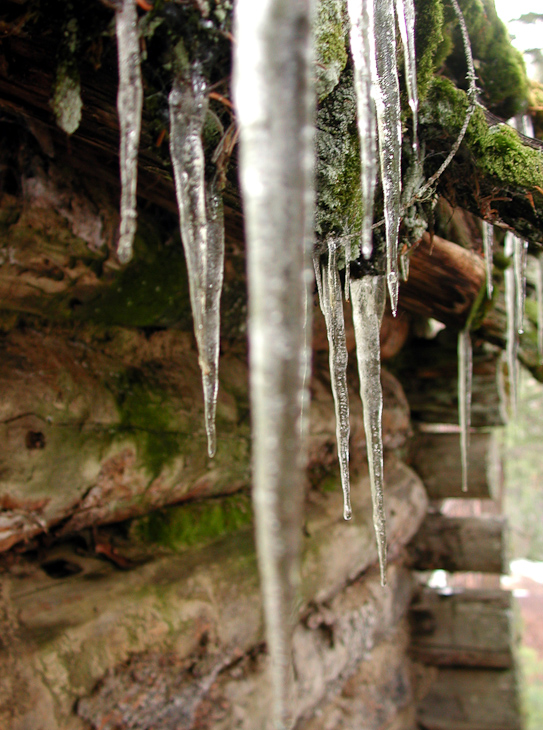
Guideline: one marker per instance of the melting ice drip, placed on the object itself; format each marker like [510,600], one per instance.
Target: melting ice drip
[373,48]
[514,302]
[202,230]
[129,106]
[465,371]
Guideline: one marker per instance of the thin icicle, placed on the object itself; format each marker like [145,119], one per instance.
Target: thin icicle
[387,103]
[465,370]
[512,323]
[129,106]
[488,247]
[202,231]
[275,105]
[347,250]
[405,10]
[363,52]
[330,298]
[368,302]
[404,265]
[539,285]
[520,251]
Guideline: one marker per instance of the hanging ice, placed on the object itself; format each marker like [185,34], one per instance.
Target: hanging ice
[129,106]
[405,10]
[512,322]
[520,250]
[465,370]
[330,298]
[539,286]
[202,230]
[488,246]
[363,53]
[368,303]
[275,105]
[387,103]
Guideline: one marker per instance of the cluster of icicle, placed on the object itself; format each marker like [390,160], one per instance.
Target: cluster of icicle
[275,107]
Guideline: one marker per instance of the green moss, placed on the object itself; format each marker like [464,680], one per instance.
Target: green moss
[194,524]
[338,163]
[431,47]
[145,414]
[152,290]
[499,66]
[330,45]
[497,151]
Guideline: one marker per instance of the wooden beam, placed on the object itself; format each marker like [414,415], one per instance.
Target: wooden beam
[471,628]
[474,544]
[472,699]
[436,458]
[444,281]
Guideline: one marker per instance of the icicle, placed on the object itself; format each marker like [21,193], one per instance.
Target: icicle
[488,245]
[129,106]
[332,308]
[347,272]
[512,323]
[363,53]
[368,303]
[519,260]
[404,265]
[387,103]
[465,369]
[202,231]
[539,285]
[275,105]
[405,10]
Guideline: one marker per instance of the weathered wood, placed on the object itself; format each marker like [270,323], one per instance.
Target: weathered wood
[475,544]
[444,281]
[463,629]
[472,699]
[436,457]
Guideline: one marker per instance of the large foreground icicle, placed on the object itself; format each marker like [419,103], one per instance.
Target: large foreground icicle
[330,298]
[387,103]
[368,303]
[129,106]
[488,247]
[363,53]
[465,370]
[511,304]
[405,10]
[275,107]
[202,230]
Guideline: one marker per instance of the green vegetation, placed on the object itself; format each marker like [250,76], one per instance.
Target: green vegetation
[194,524]
[532,669]
[521,448]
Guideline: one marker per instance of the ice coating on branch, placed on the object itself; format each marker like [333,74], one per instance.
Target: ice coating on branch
[368,296]
[511,303]
[539,287]
[405,10]
[387,103]
[465,372]
[488,247]
[202,230]
[129,106]
[520,251]
[275,105]
[363,54]
[330,297]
